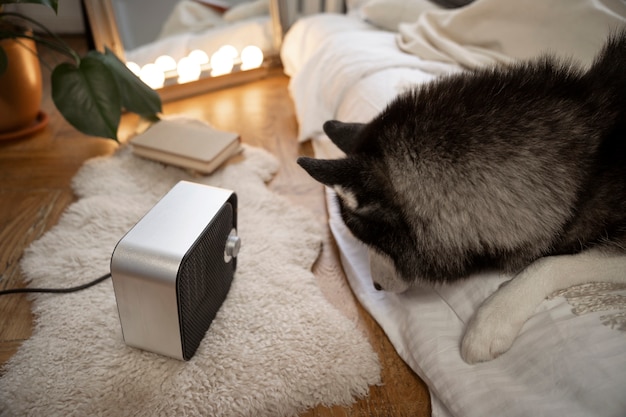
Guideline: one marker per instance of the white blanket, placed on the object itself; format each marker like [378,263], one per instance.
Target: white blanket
[490,31]
[570,358]
[325,63]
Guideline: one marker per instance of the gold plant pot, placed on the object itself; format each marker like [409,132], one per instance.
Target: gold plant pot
[20,86]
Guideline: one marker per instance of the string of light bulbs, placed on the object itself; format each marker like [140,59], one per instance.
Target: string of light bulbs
[190,68]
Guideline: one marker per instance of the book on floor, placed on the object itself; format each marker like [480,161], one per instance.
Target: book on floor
[187,143]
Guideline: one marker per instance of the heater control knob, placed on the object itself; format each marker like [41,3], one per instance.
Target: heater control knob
[233,244]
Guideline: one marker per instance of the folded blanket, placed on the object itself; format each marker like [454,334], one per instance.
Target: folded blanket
[489,31]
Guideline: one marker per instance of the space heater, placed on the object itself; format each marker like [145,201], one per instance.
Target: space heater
[172,271]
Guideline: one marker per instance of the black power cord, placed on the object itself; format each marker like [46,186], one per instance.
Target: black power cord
[57,290]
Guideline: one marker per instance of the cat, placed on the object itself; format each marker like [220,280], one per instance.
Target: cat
[518,167]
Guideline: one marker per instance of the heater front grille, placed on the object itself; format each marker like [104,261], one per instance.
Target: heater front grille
[204,279]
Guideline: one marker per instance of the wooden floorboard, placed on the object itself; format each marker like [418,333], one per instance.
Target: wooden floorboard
[35,188]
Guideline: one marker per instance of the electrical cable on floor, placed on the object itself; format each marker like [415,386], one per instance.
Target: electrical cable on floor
[56,290]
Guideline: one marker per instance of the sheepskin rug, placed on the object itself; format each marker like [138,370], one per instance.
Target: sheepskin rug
[277,346]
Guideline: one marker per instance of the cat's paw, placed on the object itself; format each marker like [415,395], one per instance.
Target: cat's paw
[491,332]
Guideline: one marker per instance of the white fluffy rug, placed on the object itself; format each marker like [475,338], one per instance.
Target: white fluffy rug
[276,347]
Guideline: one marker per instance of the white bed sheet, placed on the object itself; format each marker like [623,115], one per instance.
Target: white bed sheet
[561,363]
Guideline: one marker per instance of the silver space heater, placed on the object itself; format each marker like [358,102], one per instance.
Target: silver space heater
[173,270]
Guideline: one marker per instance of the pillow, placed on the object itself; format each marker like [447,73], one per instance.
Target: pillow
[387,14]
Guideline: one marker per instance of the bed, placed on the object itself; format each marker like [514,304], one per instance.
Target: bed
[570,357]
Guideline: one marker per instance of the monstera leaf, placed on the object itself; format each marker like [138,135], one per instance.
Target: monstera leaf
[92,94]
[87,96]
[137,97]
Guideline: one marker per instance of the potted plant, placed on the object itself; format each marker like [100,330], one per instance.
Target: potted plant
[89,91]
[20,88]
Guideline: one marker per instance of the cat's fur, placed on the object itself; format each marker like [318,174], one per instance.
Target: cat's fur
[520,167]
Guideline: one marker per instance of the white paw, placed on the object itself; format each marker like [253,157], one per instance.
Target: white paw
[491,331]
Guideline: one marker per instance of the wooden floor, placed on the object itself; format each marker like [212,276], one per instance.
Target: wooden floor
[35,176]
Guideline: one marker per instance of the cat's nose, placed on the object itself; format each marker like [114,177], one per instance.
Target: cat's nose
[377,286]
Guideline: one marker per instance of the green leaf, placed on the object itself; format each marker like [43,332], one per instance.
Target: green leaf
[4,61]
[137,97]
[53,4]
[88,97]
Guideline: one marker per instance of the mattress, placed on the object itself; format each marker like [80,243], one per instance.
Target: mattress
[569,358]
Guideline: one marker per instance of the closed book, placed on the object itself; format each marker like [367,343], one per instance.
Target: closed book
[187,143]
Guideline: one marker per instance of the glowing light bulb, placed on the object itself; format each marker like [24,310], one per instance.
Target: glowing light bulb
[251,57]
[188,70]
[229,51]
[152,75]
[221,63]
[134,67]
[165,63]
[198,56]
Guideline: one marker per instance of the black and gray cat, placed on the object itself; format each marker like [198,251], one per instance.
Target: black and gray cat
[519,167]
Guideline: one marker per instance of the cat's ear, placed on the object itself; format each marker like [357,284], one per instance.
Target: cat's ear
[346,136]
[330,172]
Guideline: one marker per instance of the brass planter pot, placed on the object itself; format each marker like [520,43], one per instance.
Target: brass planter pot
[20,86]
